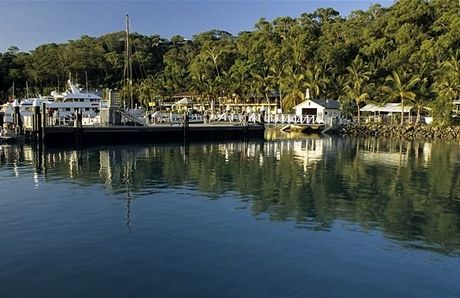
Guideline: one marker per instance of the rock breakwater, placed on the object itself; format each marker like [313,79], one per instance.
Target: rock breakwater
[409,132]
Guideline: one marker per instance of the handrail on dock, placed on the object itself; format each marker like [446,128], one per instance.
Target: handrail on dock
[268,118]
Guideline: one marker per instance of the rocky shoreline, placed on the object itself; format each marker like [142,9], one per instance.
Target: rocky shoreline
[418,132]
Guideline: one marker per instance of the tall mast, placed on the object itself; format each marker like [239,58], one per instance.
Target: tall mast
[128,67]
[86,81]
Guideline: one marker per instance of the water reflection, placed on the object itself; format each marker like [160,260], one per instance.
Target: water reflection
[408,190]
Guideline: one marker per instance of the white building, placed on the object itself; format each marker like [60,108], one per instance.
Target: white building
[380,113]
[323,110]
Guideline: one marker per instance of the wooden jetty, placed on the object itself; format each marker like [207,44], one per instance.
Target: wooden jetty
[95,135]
[41,129]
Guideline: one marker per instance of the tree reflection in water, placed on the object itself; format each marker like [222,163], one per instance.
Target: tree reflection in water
[408,190]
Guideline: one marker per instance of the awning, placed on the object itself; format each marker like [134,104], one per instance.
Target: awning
[184,101]
[387,108]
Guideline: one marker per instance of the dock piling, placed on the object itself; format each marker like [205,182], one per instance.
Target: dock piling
[43,122]
[17,121]
[36,122]
[2,115]
[186,124]
[245,123]
[78,126]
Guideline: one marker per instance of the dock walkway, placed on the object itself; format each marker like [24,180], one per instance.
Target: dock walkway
[148,134]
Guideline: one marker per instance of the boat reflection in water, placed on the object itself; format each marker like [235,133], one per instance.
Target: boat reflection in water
[205,219]
[407,190]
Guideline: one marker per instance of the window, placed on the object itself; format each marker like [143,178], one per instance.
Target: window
[308,111]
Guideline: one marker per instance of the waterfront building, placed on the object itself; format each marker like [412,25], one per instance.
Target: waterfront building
[321,110]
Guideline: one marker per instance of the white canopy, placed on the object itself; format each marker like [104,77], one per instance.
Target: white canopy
[184,101]
[387,108]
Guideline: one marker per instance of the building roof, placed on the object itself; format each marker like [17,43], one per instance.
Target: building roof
[328,103]
[387,108]
[183,94]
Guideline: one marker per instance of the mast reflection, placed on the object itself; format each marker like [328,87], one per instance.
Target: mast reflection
[409,190]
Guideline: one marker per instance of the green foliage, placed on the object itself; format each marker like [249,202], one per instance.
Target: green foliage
[356,86]
[399,87]
[349,59]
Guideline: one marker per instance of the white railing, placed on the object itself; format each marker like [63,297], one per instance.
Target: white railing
[172,118]
[282,119]
[268,118]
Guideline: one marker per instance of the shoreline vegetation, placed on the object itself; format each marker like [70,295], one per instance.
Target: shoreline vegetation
[407,53]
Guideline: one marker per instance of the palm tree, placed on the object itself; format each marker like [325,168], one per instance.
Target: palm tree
[264,81]
[197,83]
[424,94]
[315,80]
[356,84]
[400,87]
[450,83]
[144,91]
[224,85]
[295,83]
[453,64]
[423,89]
[447,89]
[447,86]
[278,69]
[240,74]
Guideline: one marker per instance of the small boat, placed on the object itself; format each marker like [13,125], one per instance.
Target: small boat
[305,128]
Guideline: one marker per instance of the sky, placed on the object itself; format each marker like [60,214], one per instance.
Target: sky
[28,24]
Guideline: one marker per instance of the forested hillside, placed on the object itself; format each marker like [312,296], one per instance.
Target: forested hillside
[409,51]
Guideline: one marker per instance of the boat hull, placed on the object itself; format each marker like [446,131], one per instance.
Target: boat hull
[304,128]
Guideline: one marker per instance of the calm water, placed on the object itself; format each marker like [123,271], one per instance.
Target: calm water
[301,217]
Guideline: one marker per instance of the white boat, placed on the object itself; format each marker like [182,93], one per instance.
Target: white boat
[60,105]
[74,100]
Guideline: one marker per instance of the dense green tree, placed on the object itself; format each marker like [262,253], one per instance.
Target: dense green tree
[240,74]
[447,87]
[285,56]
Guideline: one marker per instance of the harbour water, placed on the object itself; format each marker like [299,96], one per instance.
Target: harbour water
[286,217]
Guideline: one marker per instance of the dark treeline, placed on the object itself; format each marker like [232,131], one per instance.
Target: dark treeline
[408,52]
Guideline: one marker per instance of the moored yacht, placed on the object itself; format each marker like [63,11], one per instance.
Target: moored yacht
[73,100]
[60,105]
